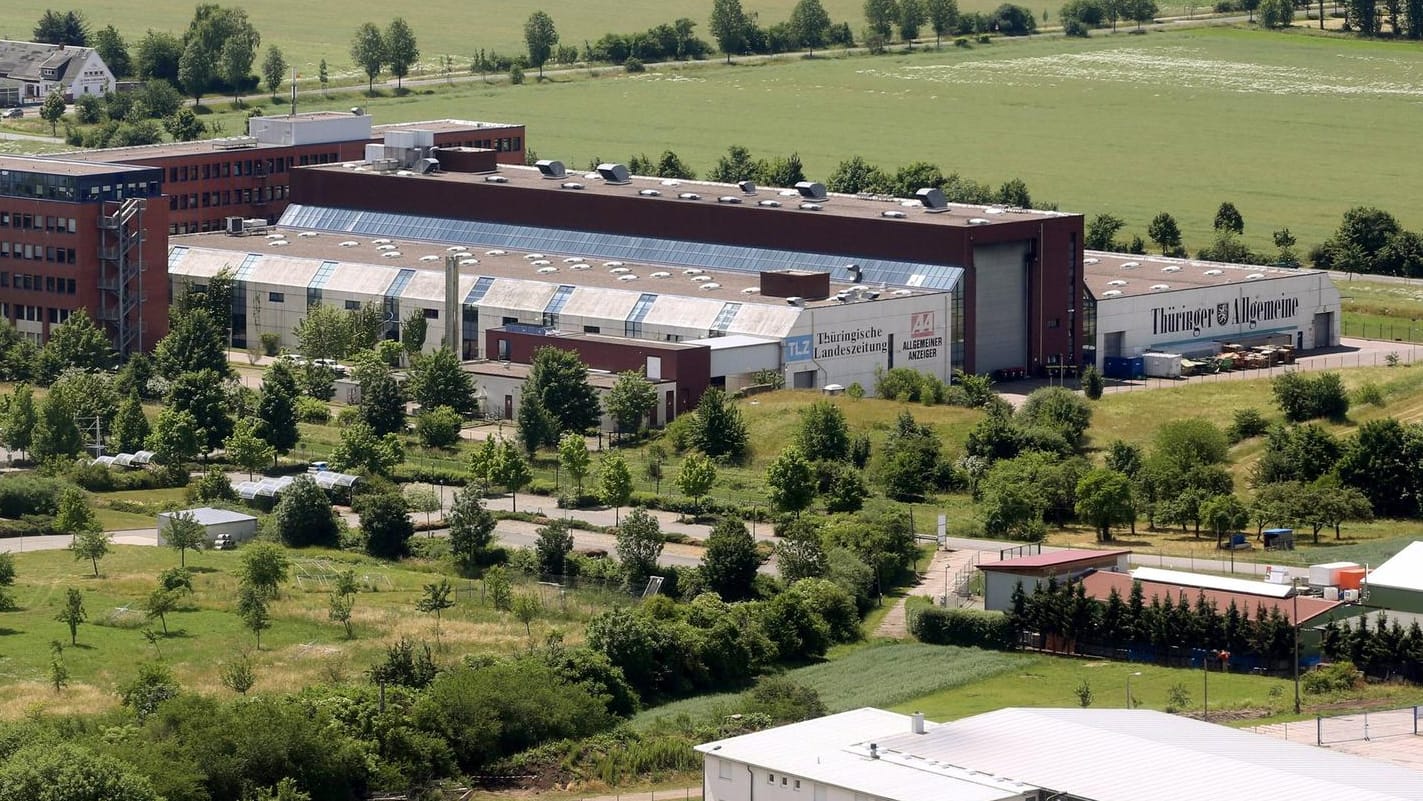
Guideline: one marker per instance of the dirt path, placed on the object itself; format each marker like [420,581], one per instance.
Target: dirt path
[895,625]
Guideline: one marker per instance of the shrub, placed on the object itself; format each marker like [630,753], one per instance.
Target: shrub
[98,478]
[1369,393]
[271,343]
[961,41]
[1247,423]
[1337,677]
[311,410]
[1092,384]
[983,38]
[516,75]
[25,495]
[968,627]
[634,64]
[1304,397]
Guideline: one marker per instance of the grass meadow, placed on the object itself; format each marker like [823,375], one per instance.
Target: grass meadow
[302,647]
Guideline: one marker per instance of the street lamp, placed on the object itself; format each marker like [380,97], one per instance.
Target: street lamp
[1296,661]
[1129,675]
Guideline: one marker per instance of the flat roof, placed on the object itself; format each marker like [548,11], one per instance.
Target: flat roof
[1130,275]
[1052,559]
[65,166]
[559,267]
[651,344]
[1099,585]
[1207,581]
[1404,571]
[597,379]
[733,341]
[444,126]
[209,516]
[787,201]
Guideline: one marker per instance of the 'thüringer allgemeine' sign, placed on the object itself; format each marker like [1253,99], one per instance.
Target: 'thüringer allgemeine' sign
[1247,312]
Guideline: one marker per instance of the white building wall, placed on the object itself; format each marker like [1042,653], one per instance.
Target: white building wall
[1199,320]
[94,78]
[728,780]
[847,343]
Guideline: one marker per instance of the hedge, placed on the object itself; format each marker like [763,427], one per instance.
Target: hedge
[967,627]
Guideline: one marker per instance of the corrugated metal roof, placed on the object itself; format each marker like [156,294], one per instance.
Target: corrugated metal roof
[1130,755]
[766,321]
[609,304]
[1100,586]
[280,271]
[1404,571]
[682,312]
[1208,582]
[427,286]
[208,516]
[509,293]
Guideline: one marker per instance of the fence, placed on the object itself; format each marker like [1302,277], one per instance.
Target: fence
[1404,353]
[1367,726]
[1391,330]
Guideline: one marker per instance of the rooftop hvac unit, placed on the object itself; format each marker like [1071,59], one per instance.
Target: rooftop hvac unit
[424,166]
[550,168]
[728,199]
[811,190]
[749,187]
[933,200]
[614,174]
[234,226]
[856,273]
[795,301]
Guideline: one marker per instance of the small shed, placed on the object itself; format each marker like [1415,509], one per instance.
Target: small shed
[1001,578]
[234,526]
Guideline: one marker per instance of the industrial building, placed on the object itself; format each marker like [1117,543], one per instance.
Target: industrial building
[1036,755]
[1398,583]
[1001,579]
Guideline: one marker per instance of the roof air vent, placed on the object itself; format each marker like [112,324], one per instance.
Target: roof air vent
[380,241]
[627,277]
[671,182]
[1130,265]
[811,190]
[709,287]
[933,200]
[385,247]
[795,300]
[1214,272]
[788,193]
[1171,268]
[308,234]
[902,292]
[750,290]
[701,278]
[496,252]
[811,207]
[1111,293]
[689,196]
[898,215]
[534,256]
[276,243]
[614,174]
[429,258]
[693,271]
[612,264]
[1117,282]
[468,262]
[978,221]
[571,185]
[994,210]
[1254,276]
[580,266]
[547,167]
[770,204]
[456,249]
[540,262]
[573,260]
[620,271]
[649,193]
[661,274]
[350,243]
[728,199]
[1160,287]
[1091,260]
[495,179]
[547,270]
[391,254]
[856,272]
[748,187]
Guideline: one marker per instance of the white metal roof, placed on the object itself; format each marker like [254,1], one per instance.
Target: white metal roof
[1130,755]
[1209,582]
[1404,571]
[208,516]
[734,341]
[822,750]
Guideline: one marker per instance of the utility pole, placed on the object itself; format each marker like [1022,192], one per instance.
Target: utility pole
[1296,665]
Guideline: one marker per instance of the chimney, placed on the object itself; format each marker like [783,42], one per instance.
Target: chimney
[917,722]
[874,751]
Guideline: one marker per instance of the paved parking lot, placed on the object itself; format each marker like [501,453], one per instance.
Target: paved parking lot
[1389,732]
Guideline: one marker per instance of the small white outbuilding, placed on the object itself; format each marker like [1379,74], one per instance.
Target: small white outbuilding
[233,527]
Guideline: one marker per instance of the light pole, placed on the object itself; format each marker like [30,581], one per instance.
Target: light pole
[1296,661]
[1129,675]
[1206,687]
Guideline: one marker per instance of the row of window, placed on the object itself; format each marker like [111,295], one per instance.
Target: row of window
[29,282]
[199,226]
[249,167]
[38,222]
[227,197]
[25,250]
[507,144]
[34,314]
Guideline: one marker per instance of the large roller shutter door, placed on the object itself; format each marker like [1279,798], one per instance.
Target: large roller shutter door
[1000,307]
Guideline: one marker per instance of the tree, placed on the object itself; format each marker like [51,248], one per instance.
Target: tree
[77,342]
[91,544]
[382,401]
[1224,514]
[1165,233]
[535,425]
[511,469]
[55,433]
[414,331]
[264,567]
[203,394]
[630,401]
[614,482]
[810,23]
[160,602]
[368,51]
[880,16]
[72,614]
[911,18]
[238,674]
[20,419]
[304,516]
[7,579]
[574,458]
[274,69]
[800,552]
[174,439]
[1141,11]
[791,482]
[823,434]
[184,126]
[323,76]
[855,175]
[909,459]
[1102,231]
[252,609]
[943,16]
[1060,410]
[67,28]
[730,560]
[196,340]
[1227,218]
[554,544]
[526,610]
[436,599]
[247,450]
[114,51]
[52,111]
[540,36]
[1186,443]
[361,449]
[276,408]
[438,380]
[157,57]
[560,379]
[728,26]
[439,427]
[184,533]
[385,520]
[471,529]
[696,477]
[736,165]
[719,429]
[401,51]
[235,61]
[196,68]
[639,545]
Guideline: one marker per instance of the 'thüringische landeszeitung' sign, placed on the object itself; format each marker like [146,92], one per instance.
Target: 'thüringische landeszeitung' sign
[1247,312]
[923,341]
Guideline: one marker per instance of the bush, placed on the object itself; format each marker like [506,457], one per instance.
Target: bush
[516,75]
[22,495]
[1303,397]
[634,64]
[967,627]
[1369,393]
[1092,384]
[98,478]
[1338,677]
[961,41]
[271,343]
[1247,423]
[311,410]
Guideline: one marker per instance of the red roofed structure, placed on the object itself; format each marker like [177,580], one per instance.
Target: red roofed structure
[1001,578]
[1100,585]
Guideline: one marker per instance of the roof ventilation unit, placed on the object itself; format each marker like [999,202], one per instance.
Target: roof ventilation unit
[671,182]
[572,185]
[1111,293]
[1214,272]
[550,168]
[994,210]
[649,193]
[1254,276]
[1160,287]
[709,287]
[693,271]
[728,199]
[496,252]
[770,204]
[425,166]
[1091,260]
[747,187]
[614,174]
[547,270]
[978,221]
[689,196]
[897,215]
[540,262]
[750,290]
[811,207]
[495,179]
[811,190]
[381,241]
[574,260]
[429,258]
[933,200]
[620,271]
[1130,265]
[1171,268]
[456,249]
[391,254]
[582,265]
[350,243]
[308,234]
[627,278]
[1117,282]
[795,301]
[661,274]
[612,264]
[857,273]
[902,292]
[534,256]
[468,262]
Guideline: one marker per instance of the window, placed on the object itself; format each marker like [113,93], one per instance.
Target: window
[797,784]
[511,321]
[276,297]
[353,305]
[592,329]
[723,769]
[770,778]
[432,314]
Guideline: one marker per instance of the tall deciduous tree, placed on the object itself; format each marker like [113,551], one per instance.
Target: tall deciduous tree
[719,428]
[696,477]
[112,48]
[264,566]
[728,26]
[560,379]
[511,469]
[52,110]
[184,533]
[554,544]
[639,545]
[811,23]
[175,439]
[304,516]
[911,18]
[252,609]
[438,380]
[274,69]
[247,450]
[93,545]
[540,36]
[435,599]
[382,401]
[414,331]
[361,449]
[535,426]
[614,482]
[276,409]
[72,613]
[800,552]
[880,16]
[1104,499]
[471,529]
[1227,218]
[401,50]
[823,433]
[368,51]
[943,16]
[157,56]
[630,401]
[20,419]
[730,560]
[1164,231]
[77,342]
[385,520]
[573,457]
[55,433]
[202,394]
[791,481]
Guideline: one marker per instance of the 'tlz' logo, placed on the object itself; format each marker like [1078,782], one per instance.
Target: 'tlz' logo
[921,324]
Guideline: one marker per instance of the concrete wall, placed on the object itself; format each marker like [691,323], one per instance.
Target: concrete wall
[998,589]
[726,780]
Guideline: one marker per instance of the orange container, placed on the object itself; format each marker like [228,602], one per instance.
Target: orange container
[1351,577]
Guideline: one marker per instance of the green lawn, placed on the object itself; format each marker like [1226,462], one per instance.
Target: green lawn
[1378,310]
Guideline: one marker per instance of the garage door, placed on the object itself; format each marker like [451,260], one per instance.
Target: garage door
[1000,307]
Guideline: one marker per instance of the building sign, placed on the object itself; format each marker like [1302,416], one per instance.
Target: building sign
[798,349]
[836,344]
[923,342]
[1241,312]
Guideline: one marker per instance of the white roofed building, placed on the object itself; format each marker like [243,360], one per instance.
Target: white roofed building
[1398,583]
[1036,755]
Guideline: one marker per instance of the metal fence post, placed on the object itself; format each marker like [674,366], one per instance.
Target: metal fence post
[1319,730]
[1366,727]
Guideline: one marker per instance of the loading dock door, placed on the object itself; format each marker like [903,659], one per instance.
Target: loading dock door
[1000,307]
